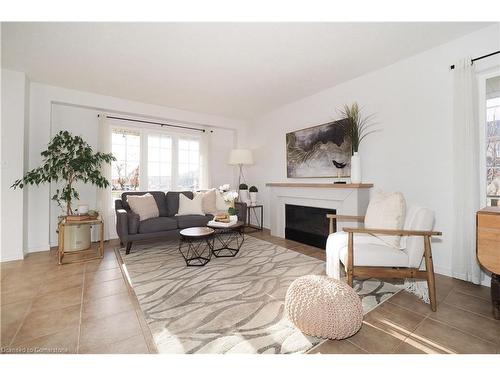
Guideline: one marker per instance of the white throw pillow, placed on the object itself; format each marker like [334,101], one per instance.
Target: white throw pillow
[190,206]
[209,201]
[220,204]
[386,211]
[143,205]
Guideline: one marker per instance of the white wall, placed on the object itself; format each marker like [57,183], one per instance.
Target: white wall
[14,106]
[413,153]
[54,108]
[83,121]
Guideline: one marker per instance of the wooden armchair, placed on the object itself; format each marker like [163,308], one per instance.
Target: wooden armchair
[364,259]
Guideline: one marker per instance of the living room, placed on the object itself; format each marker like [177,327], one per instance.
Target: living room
[251,187]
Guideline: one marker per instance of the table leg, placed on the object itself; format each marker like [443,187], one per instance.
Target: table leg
[495,295]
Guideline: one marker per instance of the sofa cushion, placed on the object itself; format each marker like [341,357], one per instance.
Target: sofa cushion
[157,224]
[372,255]
[159,197]
[187,221]
[172,200]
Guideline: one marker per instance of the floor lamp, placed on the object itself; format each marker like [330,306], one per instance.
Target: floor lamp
[240,157]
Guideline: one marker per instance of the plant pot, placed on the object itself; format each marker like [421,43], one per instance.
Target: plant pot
[76,237]
[253,198]
[233,218]
[355,168]
[243,196]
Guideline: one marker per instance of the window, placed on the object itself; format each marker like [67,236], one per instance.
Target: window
[159,162]
[189,164]
[125,170]
[148,159]
[493,141]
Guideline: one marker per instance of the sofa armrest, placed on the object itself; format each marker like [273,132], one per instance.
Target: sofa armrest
[241,211]
[122,223]
[133,222]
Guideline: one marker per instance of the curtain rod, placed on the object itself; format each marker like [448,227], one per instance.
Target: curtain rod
[156,123]
[479,58]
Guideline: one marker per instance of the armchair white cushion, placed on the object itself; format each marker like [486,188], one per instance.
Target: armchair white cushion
[371,251]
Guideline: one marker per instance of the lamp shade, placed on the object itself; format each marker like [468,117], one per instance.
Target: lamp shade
[240,156]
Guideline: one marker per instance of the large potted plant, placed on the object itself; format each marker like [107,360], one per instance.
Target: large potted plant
[357,128]
[68,159]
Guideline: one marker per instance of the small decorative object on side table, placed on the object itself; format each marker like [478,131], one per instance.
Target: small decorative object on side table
[228,238]
[488,250]
[196,245]
[260,222]
[96,253]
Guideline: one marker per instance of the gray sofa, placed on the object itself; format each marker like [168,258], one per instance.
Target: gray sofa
[131,229]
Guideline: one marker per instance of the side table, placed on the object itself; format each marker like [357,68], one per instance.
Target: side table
[260,222]
[228,239]
[196,245]
[96,252]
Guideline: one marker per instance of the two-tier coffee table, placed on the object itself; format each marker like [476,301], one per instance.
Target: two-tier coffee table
[227,239]
[196,245]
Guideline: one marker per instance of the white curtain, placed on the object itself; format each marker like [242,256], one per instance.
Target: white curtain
[205,144]
[466,173]
[104,200]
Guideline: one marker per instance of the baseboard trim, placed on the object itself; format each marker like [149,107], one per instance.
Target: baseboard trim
[37,249]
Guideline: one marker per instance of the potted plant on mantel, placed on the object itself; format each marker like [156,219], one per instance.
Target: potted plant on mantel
[68,159]
[357,128]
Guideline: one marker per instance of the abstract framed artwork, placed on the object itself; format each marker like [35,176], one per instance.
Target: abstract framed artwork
[310,152]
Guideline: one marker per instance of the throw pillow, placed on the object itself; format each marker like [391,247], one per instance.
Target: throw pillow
[386,211]
[208,203]
[143,205]
[220,204]
[190,206]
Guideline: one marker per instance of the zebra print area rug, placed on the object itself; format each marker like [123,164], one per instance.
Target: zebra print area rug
[231,305]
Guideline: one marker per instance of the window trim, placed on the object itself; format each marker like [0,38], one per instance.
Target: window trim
[481,79]
[174,134]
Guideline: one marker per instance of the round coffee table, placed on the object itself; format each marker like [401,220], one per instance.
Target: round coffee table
[228,239]
[196,245]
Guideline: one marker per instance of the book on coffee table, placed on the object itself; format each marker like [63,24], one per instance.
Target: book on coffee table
[220,224]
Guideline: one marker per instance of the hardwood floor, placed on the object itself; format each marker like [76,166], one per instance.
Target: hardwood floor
[89,308]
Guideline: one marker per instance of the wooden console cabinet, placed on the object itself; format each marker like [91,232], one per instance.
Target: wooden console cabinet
[488,250]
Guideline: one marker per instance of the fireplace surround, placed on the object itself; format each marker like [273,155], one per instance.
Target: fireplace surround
[343,199]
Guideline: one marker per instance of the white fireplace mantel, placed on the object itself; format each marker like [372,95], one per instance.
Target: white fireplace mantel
[346,199]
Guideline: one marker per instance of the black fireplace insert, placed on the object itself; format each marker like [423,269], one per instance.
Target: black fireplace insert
[307,225]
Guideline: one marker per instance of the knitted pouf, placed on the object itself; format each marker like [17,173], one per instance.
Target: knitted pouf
[323,307]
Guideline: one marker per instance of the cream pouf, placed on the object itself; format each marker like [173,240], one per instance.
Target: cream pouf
[323,307]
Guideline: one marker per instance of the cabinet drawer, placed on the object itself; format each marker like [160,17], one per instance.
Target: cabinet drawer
[488,221]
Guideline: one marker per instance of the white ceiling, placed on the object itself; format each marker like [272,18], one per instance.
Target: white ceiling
[237,70]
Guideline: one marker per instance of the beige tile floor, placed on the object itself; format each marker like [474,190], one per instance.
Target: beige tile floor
[90,308]
[74,308]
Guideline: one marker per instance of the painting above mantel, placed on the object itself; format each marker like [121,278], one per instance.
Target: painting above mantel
[311,152]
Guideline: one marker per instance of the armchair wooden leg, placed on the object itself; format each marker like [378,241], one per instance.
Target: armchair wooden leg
[129,246]
[350,260]
[431,282]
